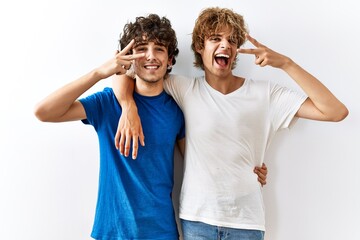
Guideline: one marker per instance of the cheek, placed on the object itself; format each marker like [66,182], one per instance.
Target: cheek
[136,66]
[207,56]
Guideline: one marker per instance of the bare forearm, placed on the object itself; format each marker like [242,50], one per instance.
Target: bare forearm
[59,102]
[129,127]
[322,98]
[123,87]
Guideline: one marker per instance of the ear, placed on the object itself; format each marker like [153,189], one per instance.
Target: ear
[170,60]
[199,51]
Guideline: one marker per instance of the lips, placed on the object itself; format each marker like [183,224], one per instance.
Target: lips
[222,59]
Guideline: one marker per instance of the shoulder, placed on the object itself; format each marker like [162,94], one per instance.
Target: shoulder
[104,96]
[258,82]
[177,84]
[178,79]
[255,85]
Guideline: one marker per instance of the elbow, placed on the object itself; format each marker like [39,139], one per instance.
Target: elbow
[341,114]
[40,113]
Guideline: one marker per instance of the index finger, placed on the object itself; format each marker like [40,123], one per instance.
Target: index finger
[253,41]
[135,146]
[131,56]
[254,51]
[134,56]
[128,47]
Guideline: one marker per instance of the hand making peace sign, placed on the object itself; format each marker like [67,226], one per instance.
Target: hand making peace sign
[120,63]
[263,55]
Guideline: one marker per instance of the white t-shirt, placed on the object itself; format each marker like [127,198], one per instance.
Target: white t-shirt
[226,137]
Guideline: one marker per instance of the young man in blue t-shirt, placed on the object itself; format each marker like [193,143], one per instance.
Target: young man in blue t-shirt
[134,197]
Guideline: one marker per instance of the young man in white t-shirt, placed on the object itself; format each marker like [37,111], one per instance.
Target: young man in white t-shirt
[230,122]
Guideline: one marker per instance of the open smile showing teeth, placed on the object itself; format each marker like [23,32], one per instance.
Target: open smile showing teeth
[152,67]
[222,59]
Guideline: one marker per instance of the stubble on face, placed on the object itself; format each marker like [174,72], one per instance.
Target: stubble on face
[151,69]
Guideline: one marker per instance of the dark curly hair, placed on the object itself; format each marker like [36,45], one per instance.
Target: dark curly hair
[151,29]
[209,22]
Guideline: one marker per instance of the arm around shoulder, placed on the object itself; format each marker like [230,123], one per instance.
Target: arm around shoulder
[181,146]
[129,127]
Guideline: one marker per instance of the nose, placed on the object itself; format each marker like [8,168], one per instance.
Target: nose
[150,54]
[225,44]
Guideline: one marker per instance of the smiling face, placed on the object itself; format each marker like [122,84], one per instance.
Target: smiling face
[151,29]
[151,68]
[219,52]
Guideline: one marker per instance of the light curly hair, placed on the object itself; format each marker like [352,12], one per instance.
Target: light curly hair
[210,21]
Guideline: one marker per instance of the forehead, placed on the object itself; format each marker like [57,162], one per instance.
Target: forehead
[222,31]
[145,39]
[149,43]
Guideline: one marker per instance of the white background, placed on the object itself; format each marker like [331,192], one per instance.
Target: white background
[49,172]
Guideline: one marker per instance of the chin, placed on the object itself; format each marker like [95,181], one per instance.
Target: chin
[151,80]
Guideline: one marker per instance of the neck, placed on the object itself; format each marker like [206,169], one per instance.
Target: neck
[224,83]
[148,88]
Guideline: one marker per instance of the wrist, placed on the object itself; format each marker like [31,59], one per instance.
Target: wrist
[130,73]
[96,74]
[288,64]
[128,104]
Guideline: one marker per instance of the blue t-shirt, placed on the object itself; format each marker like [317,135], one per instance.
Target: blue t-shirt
[134,196]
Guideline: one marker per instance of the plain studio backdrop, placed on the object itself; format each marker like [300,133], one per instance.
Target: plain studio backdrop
[49,172]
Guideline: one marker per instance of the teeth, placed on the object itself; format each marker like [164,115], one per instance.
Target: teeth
[222,55]
[151,67]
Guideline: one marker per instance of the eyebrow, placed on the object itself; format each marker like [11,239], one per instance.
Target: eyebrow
[139,44]
[145,43]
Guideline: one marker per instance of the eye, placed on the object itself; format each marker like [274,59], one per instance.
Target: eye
[140,49]
[233,41]
[214,38]
[160,49]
